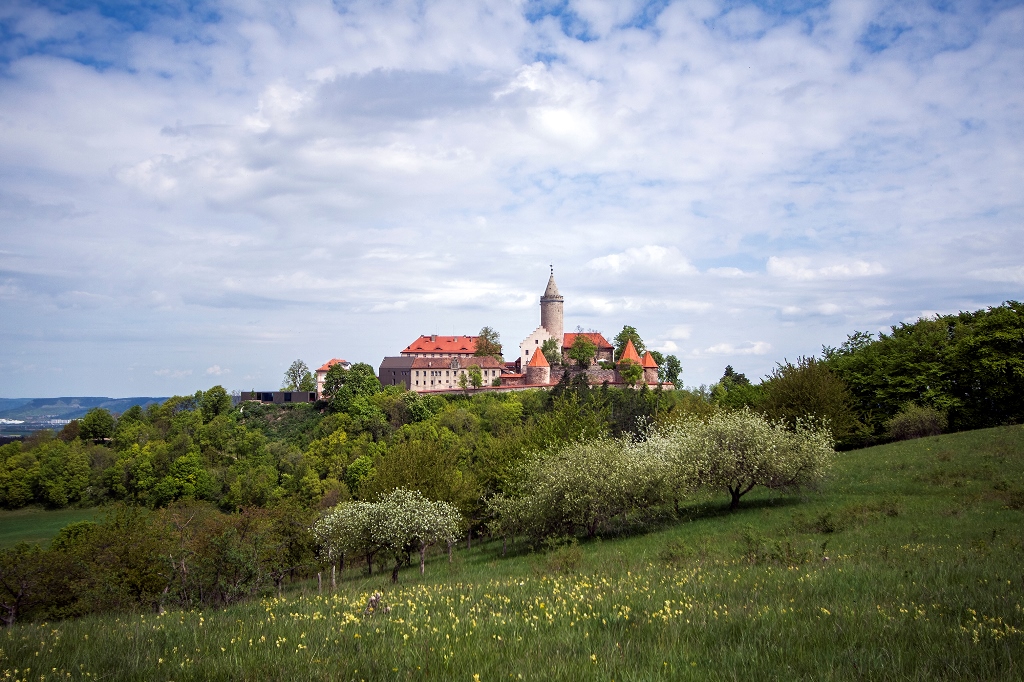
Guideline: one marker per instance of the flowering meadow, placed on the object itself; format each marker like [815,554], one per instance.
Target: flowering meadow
[905,565]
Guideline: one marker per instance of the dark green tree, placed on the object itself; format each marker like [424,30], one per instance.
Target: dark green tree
[669,371]
[969,366]
[583,350]
[625,335]
[630,372]
[97,424]
[808,389]
[550,350]
[342,386]
[476,377]
[214,402]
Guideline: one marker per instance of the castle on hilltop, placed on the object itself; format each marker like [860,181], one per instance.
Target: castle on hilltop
[434,363]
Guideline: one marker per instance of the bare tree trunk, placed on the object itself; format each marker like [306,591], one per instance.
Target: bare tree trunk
[394,571]
[334,580]
[449,551]
[423,558]
[319,583]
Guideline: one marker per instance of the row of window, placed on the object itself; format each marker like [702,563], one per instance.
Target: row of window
[449,372]
[437,373]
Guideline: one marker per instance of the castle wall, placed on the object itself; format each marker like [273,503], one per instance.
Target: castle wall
[538,375]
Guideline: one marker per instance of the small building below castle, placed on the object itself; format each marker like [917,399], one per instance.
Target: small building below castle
[321,373]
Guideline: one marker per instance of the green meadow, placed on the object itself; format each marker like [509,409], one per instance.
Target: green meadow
[906,564]
[37,525]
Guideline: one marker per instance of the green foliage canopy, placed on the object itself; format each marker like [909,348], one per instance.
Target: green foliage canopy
[627,334]
[583,350]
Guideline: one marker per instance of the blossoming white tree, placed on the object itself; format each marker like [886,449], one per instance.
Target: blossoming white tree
[739,450]
[400,522]
[580,488]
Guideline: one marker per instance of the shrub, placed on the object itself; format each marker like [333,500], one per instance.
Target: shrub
[564,557]
[809,389]
[915,421]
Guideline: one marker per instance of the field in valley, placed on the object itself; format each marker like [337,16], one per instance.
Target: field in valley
[906,564]
[38,526]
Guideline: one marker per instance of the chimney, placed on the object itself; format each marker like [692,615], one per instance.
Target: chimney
[433,337]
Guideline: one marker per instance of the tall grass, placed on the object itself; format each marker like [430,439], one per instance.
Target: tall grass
[906,565]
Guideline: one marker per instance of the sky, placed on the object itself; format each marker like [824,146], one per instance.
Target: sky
[196,193]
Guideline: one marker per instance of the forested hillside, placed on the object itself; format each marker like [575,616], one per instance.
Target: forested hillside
[215,502]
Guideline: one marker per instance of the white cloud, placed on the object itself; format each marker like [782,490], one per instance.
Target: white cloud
[799,268]
[729,272]
[300,181]
[173,373]
[747,348]
[647,259]
[680,331]
[217,370]
[1009,274]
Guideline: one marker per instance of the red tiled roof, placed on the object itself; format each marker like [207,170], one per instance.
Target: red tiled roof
[538,359]
[442,344]
[629,353]
[330,363]
[649,362]
[598,339]
[484,362]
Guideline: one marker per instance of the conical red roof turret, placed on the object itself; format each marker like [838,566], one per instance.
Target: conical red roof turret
[538,360]
[649,362]
[629,353]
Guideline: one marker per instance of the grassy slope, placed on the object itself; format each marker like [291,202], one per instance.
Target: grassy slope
[922,580]
[37,525]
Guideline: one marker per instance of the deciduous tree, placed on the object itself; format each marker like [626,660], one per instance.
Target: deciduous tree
[669,371]
[97,424]
[628,333]
[298,378]
[583,350]
[488,342]
[738,450]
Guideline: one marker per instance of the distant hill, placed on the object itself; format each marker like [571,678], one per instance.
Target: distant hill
[40,409]
[11,403]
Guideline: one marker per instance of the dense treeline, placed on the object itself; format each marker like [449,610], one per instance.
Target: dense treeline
[955,372]
[363,441]
[968,366]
